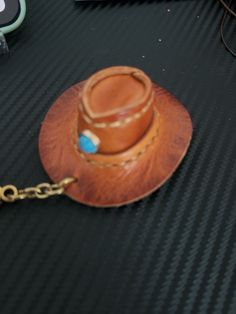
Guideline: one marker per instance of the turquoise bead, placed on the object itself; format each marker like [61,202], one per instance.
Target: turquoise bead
[87,145]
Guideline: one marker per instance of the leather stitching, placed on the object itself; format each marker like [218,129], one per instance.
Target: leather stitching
[116,124]
[123,163]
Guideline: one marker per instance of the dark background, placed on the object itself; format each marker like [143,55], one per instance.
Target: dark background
[175,251]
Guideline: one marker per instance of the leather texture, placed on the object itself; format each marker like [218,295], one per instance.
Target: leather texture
[107,180]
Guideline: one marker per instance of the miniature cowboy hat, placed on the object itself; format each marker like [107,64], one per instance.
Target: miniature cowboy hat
[118,134]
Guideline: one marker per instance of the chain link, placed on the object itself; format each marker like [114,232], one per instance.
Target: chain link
[10,193]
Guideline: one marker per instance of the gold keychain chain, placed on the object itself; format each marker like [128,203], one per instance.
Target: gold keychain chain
[10,193]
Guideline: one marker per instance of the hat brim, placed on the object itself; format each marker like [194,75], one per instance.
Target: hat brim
[113,186]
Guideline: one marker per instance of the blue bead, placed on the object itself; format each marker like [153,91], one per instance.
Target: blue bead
[87,145]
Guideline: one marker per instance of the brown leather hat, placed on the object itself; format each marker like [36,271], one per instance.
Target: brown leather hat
[118,134]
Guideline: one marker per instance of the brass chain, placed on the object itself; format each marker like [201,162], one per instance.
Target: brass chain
[10,193]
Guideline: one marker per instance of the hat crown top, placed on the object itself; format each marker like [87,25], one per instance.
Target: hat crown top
[115,93]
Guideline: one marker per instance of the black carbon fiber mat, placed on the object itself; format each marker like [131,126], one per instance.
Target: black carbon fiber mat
[174,252]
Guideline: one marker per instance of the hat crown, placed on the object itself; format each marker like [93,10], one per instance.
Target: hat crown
[116,107]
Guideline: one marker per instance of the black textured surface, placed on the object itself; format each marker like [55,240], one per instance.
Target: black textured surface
[174,252]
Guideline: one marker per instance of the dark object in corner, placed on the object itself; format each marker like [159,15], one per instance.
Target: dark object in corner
[3,44]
